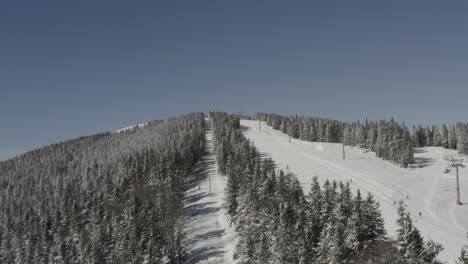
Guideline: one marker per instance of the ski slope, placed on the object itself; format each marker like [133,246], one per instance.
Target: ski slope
[424,189]
[125,129]
[210,238]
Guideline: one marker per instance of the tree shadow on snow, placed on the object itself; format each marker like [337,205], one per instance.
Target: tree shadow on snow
[421,162]
[198,209]
[211,234]
[205,210]
[195,197]
[244,128]
[201,208]
[197,178]
[419,150]
[202,254]
[263,155]
[193,182]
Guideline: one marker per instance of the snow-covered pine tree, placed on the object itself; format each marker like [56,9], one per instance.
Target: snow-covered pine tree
[323,132]
[347,137]
[353,135]
[429,137]
[313,133]
[345,200]
[232,193]
[463,258]
[445,136]
[421,137]
[462,138]
[407,151]
[414,137]
[284,125]
[355,237]
[314,224]
[412,248]
[372,221]
[360,138]
[371,136]
[324,252]
[293,128]
[329,133]
[304,130]
[329,197]
[264,246]
[437,136]
[247,228]
[409,238]
[382,148]
[452,137]
[332,249]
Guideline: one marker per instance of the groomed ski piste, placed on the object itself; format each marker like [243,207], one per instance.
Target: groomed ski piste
[131,127]
[425,189]
[210,238]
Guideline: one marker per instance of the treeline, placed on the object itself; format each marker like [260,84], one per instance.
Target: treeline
[463,258]
[388,139]
[277,223]
[108,198]
[452,137]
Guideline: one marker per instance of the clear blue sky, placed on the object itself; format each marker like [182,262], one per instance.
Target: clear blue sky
[71,68]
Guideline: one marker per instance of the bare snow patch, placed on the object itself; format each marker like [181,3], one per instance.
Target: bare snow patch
[319,146]
[131,127]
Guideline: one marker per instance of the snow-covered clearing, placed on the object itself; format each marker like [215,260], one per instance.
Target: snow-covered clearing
[131,127]
[424,189]
[210,239]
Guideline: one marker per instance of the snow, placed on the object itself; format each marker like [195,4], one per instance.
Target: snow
[210,238]
[131,127]
[426,188]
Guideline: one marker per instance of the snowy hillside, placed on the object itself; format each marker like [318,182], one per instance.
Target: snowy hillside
[425,189]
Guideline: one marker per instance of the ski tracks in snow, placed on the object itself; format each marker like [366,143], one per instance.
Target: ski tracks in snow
[386,192]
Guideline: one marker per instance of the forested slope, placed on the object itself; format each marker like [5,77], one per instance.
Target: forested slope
[108,198]
[387,182]
[277,223]
[118,198]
